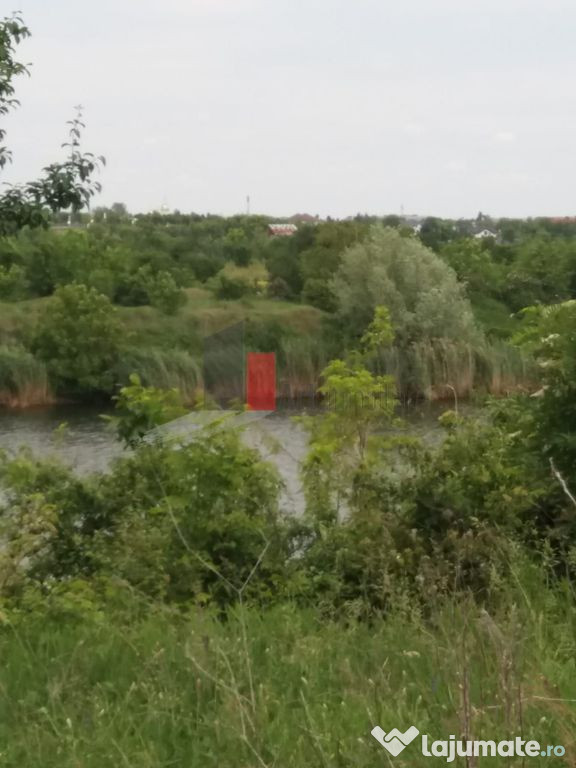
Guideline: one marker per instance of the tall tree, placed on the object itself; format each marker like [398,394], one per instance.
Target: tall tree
[64,185]
[421,291]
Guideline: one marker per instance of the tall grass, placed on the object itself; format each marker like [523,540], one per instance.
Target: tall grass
[440,369]
[166,369]
[302,360]
[23,379]
[283,688]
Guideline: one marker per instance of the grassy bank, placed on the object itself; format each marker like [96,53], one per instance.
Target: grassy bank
[284,688]
[167,351]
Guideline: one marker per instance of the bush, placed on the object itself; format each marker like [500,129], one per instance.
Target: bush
[230,289]
[78,336]
[235,282]
[319,294]
[156,288]
[13,283]
[193,522]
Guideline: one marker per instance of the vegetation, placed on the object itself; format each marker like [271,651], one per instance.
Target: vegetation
[176,596]
[189,691]
[170,611]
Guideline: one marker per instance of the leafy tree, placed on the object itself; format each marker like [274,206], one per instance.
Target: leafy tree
[472,261]
[79,337]
[139,409]
[550,333]
[435,233]
[342,440]
[419,289]
[63,185]
[319,294]
[236,247]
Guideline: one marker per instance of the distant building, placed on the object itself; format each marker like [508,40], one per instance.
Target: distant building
[412,222]
[485,233]
[282,230]
[563,219]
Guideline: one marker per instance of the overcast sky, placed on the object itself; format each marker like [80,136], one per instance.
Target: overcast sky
[444,107]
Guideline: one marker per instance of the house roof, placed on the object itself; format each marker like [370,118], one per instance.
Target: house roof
[282,229]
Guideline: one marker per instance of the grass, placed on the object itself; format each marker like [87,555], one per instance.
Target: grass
[23,379]
[163,690]
[162,368]
[201,315]
[438,370]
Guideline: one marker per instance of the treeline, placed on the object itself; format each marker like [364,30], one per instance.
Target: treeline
[455,298]
[525,262]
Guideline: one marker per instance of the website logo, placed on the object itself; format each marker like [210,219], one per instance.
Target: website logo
[395,741]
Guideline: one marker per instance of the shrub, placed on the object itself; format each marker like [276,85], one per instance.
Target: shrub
[78,336]
[319,294]
[13,283]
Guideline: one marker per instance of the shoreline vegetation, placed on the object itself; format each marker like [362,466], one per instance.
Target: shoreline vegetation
[431,371]
[82,308]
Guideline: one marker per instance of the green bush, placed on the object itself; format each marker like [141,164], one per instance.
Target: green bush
[78,336]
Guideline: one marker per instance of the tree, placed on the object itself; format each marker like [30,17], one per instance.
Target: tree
[78,336]
[419,289]
[140,409]
[358,403]
[64,185]
[435,233]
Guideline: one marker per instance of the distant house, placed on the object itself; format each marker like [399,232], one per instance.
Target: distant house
[413,222]
[282,230]
[485,233]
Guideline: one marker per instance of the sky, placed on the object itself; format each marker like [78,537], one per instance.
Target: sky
[329,107]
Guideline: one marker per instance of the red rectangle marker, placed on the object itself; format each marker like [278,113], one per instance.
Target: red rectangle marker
[261,381]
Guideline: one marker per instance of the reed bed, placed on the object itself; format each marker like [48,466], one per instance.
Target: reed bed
[24,380]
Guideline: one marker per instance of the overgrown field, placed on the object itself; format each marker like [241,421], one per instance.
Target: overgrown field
[283,687]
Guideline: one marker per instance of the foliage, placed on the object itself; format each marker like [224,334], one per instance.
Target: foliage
[139,409]
[185,521]
[13,283]
[277,687]
[195,519]
[342,440]
[68,184]
[158,289]
[550,332]
[319,294]
[23,378]
[234,282]
[79,336]
[421,292]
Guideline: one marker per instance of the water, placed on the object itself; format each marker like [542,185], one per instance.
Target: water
[84,441]
[78,436]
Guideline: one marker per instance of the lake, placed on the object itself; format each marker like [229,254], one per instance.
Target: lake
[84,441]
